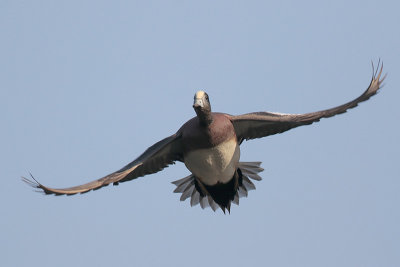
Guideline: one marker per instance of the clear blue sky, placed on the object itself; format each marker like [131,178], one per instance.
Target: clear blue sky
[86,86]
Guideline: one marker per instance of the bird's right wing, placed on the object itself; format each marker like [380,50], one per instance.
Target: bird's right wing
[154,159]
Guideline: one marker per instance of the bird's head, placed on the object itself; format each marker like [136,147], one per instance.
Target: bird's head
[202,107]
[201,101]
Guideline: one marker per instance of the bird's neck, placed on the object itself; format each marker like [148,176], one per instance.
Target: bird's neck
[205,117]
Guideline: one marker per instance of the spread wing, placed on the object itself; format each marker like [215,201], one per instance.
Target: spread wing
[261,124]
[154,159]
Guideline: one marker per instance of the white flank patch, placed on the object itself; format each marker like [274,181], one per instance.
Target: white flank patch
[217,164]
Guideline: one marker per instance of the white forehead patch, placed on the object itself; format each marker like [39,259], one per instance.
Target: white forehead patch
[200,94]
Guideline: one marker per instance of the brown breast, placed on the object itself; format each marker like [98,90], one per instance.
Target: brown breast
[196,136]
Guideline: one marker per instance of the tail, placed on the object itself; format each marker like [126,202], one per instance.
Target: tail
[220,195]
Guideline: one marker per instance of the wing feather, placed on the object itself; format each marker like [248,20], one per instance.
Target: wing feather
[261,124]
[154,159]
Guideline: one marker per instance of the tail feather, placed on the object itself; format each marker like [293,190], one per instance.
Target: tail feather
[212,203]
[204,195]
[187,192]
[195,198]
[248,184]
[182,186]
[236,199]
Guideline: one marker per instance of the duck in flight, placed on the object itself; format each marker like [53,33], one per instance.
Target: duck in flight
[209,146]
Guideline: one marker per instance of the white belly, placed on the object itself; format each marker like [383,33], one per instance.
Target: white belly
[217,164]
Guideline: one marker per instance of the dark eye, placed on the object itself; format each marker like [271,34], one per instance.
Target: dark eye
[206,97]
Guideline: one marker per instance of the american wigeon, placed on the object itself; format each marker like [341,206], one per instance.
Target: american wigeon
[209,146]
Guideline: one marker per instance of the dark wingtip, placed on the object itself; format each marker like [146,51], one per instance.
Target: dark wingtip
[34,183]
[378,72]
[376,80]
[29,182]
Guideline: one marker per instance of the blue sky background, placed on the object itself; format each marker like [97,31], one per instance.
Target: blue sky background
[86,86]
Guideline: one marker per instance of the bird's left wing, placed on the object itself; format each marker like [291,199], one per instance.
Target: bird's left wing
[154,159]
[261,124]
